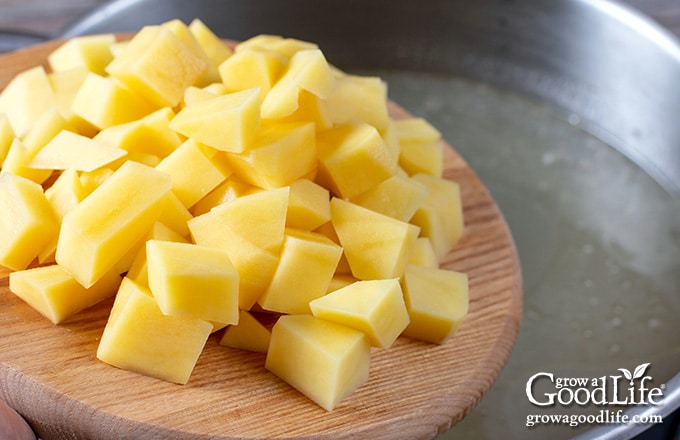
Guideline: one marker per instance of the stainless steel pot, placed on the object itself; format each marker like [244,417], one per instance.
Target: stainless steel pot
[568,112]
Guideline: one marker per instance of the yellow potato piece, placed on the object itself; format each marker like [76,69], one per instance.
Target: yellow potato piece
[138,337]
[108,223]
[422,157]
[276,43]
[138,269]
[375,307]
[215,48]
[56,294]
[191,280]
[398,197]
[158,65]
[371,92]
[27,224]
[149,135]
[280,154]
[17,160]
[27,96]
[229,190]
[252,68]
[308,70]
[259,217]
[306,266]
[182,31]
[352,159]
[436,300]
[70,150]
[423,254]
[249,334]
[66,84]
[6,137]
[416,130]
[308,205]
[254,265]
[193,174]
[46,127]
[104,102]
[376,246]
[227,122]
[440,216]
[92,52]
[323,360]
[65,193]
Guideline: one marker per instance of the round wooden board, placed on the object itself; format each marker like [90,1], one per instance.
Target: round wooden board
[50,375]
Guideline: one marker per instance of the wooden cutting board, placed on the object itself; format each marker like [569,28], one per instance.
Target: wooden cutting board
[50,375]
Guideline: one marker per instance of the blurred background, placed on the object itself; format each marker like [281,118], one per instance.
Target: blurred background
[599,241]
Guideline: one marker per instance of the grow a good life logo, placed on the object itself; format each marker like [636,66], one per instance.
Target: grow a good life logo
[545,389]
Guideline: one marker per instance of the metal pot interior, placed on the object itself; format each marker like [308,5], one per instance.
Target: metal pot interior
[567,111]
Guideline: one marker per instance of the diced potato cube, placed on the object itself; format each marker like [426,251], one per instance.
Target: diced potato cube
[249,334]
[352,159]
[215,48]
[311,108]
[191,280]
[66,84]
[45,128]
[71,150]
[182,31]
[259,217]
[92,52]
[158,65]
[423,254]
[328,230]
[149,135]
[93,179]
[389,135]
[65,193]
[376,246]
[194,95]
[375,307]
[17,160]
[370,92]
[138,270]
[308,205]
[103,102]
[416,130]
[323,360]
[94,236]
[229,190]
[254,265]
[421,157]
[436,300]
[193,174]
[306,266]
[27,96]
[138,337]
[280,154]
[55,294]
[440,217]
[6,137]
[227,122]
[398,197]
[27,223]
[252,68]
[284,46]
[308,70]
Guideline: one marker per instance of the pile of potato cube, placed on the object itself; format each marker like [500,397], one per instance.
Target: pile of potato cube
[203,185]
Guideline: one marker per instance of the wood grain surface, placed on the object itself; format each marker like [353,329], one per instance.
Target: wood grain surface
[50,375]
